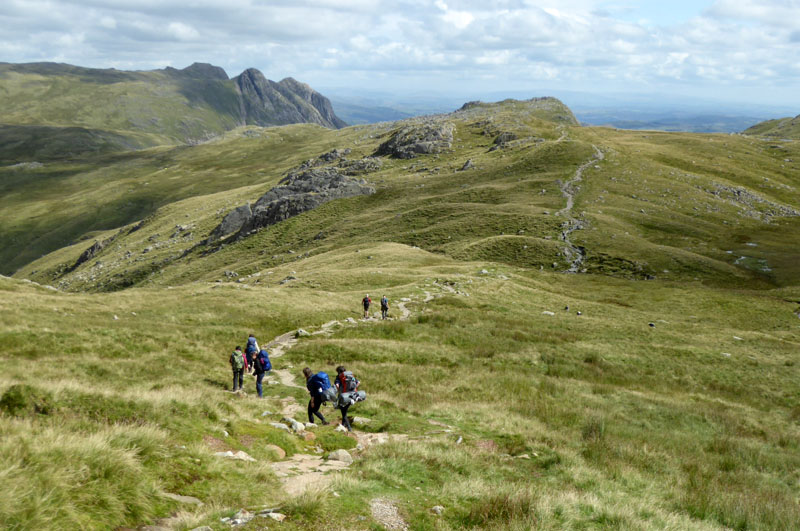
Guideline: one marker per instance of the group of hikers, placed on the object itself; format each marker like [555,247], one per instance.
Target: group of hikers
[254,360]
[343,393]
[366,302]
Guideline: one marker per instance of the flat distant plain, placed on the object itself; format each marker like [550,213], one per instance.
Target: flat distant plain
[670,402]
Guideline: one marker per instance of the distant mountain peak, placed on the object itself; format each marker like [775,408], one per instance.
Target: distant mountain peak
[265,102]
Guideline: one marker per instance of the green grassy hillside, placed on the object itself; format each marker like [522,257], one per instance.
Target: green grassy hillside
[714,208]
[655,389]
[784,128]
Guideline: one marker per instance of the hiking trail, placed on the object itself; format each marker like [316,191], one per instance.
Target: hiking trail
[305,471]
[575,253]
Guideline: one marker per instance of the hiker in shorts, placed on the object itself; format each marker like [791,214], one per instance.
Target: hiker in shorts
[261,366]
[341,386]
[317,398]
[238,365]
[384,307]
[365,302]
[250,350]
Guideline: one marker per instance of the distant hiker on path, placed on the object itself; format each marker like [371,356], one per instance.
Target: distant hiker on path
[384,307]
[250,350]
[316,384]
[239,365]
[261,365]
[347,385]
[366,301]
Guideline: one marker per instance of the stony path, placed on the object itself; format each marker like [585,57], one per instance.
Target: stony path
[385,513]
[574,253]
[304,471]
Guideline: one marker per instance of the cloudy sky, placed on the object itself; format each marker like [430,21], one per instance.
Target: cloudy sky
[726,49]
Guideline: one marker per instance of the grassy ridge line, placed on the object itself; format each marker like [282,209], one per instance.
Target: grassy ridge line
[662,205]
[626,425]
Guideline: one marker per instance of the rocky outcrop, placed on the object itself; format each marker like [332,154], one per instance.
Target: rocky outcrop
[301,193]
[303,189]
[232,222]
[265,102]
[419,139]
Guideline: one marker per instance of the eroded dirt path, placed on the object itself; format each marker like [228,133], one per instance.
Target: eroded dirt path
[575,254]
[304,471]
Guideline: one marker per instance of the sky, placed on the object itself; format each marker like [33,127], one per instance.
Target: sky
[731,50]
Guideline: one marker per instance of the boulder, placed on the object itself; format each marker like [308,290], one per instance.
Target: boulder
[276,449]
[300,193]
[340,455]
[279,425]
[437,509]
[420,139]
[360,421]
[232,222]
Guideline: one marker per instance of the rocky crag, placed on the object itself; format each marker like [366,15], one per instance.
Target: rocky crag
[265,102]
[312,184]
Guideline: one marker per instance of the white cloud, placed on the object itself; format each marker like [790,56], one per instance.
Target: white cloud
[182,32]
[447,43]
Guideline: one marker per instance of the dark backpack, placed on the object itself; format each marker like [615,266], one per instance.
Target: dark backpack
[262,358]
[322,381]
[350,382]
[251,345]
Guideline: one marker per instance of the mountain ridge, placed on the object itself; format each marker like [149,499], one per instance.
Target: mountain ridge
[165,106]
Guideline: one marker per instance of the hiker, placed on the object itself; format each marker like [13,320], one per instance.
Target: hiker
[384,307]
[261,365]
[347,386]
[316,384]
[250,350]
[239,365]
[366,301]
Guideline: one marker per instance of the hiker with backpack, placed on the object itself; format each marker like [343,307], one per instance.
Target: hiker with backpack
[347,386]
[317,385]
[239,365]
[261,365]
[384,307]
[365,302]
[250,350]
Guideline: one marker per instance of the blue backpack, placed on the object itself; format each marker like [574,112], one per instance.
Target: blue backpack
[263,358]
[251,345]
[321,379]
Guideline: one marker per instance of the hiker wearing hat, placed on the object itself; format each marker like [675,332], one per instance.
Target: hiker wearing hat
[366,301]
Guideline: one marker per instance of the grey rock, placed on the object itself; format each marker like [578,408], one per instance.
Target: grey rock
[467,165]
[437,509]
[420,139]
[232,222]
[504,138]
[340,455]
[301,193]
[360,421]
[242,517]
[265,102]
[202,528]
[279,425]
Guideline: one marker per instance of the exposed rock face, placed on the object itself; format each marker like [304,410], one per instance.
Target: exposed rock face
[424,138]
[265,102]
[232,222]
[304,188]
[301,193]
